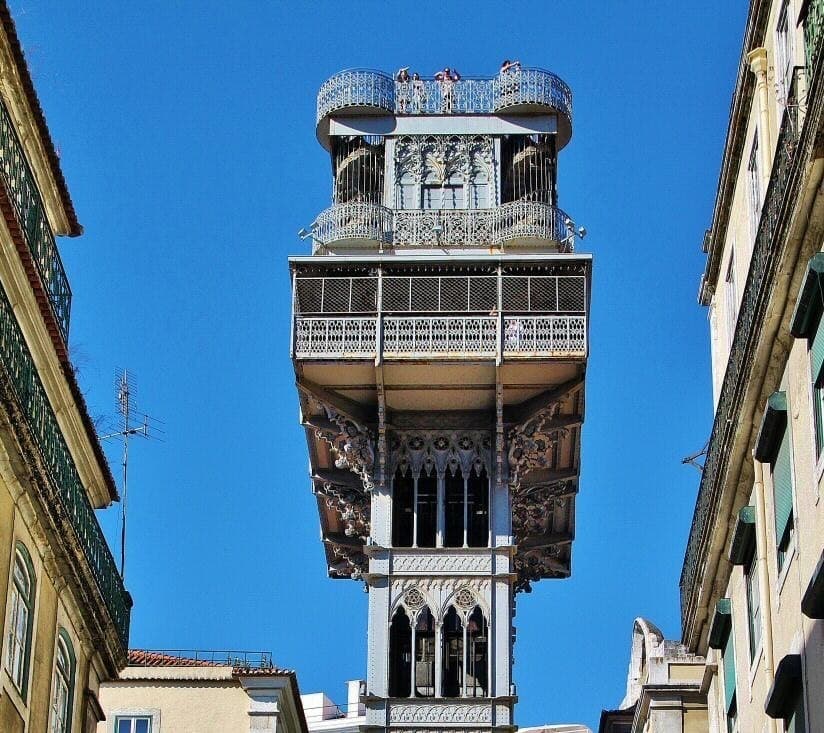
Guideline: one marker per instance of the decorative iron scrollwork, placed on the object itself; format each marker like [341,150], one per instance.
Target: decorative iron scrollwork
[531,444]
[353,507]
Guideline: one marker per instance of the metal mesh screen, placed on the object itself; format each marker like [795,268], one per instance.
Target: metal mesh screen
[336,295]
[572,294]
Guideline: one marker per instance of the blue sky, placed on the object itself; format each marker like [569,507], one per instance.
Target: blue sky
[186,132]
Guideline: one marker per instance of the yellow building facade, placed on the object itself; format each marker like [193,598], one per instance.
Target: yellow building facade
[64,613]
[750,586]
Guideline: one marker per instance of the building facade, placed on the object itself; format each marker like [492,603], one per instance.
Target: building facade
[752,584]
[440,339]
[666,687]
[65,613]
[201,692]
[323,715]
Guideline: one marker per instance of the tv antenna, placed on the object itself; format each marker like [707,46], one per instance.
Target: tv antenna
[132,423]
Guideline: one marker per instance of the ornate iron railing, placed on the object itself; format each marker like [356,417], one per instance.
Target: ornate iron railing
[767,250]
[21,186]
[21,371]
[356,88]
[405,337]
[377,90]
[813,28]
[335,338]
[534,335]
[439,335]
[516,220]
[354,220]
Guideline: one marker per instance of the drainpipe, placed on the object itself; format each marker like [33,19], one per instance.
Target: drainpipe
[764,581]
[758,64]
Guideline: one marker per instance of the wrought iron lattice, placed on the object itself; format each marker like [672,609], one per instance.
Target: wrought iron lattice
[335,295]
[544,293]
[433,335]
[21,372]
[528,335]
[770,242]
[335,337]
[377,90]
[21,186]
[353,220]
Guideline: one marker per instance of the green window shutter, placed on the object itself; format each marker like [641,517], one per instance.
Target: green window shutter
[817,350]
[729,671]
[782,487]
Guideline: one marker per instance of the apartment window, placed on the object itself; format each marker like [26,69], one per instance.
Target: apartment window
[133,724]
[783,496]
[754,185]
[783,54]
[19,625]
[753,605]
[731,298]
[408,192]
[730,702]
[62,685]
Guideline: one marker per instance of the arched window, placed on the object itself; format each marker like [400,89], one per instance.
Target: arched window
[400,655]
[62,685]
[431,191]
[426,510]
[454,509]
[19,626]
[477,666]
[453,657]
[424,654]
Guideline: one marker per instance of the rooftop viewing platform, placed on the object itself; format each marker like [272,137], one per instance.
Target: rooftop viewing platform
[514,91]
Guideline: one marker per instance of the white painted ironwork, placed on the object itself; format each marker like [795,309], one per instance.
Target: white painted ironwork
[534,335]
[353,220]
[356,88]
[377,90]
[334,338]
[512,221]
[414,336]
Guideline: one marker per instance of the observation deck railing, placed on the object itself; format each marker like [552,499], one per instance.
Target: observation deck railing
[20,371]
[515,220]
[239,660]
[377,91]
[21,187]
[430,316]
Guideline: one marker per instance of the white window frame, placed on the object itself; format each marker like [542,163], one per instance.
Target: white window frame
[754,193]
[731,298]
[19,623]
[63,683]
[783,55]
[153,714]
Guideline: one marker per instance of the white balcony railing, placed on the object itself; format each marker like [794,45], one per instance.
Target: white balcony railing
[406,337]
[543,335]
[506,224]
[335,338]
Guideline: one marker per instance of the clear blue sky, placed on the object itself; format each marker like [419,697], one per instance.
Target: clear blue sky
[186,131]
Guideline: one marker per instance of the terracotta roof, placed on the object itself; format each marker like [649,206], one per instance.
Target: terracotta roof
[39,117]
[147,658]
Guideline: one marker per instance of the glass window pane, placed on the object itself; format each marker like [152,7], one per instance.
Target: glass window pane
[124,725]
[142,726]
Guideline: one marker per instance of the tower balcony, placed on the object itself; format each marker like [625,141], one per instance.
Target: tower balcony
[522,91]
[518,224]
[437,311]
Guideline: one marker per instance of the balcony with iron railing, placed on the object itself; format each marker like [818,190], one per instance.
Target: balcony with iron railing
[484,316]
[238,660]
[30,215]
[21,374]
[519,91]
[517,224]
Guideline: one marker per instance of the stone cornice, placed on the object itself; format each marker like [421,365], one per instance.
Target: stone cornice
[734,145]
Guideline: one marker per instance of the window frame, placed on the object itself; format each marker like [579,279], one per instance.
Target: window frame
[11,643]
[754,193]
[134,714]
[67,677]
[731,298]
[752,591]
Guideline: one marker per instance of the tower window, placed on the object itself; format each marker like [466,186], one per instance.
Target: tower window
[400,655]
[402,509]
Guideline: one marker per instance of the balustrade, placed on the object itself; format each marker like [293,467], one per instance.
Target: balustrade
[21,187]
[17,362]
[405,337]
[516,220]
[376,90]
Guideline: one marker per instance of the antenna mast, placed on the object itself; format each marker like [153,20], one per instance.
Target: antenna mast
[125,388]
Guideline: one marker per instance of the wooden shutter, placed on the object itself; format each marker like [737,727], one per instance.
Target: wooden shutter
[817,350]
[729,671]
[782,487]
